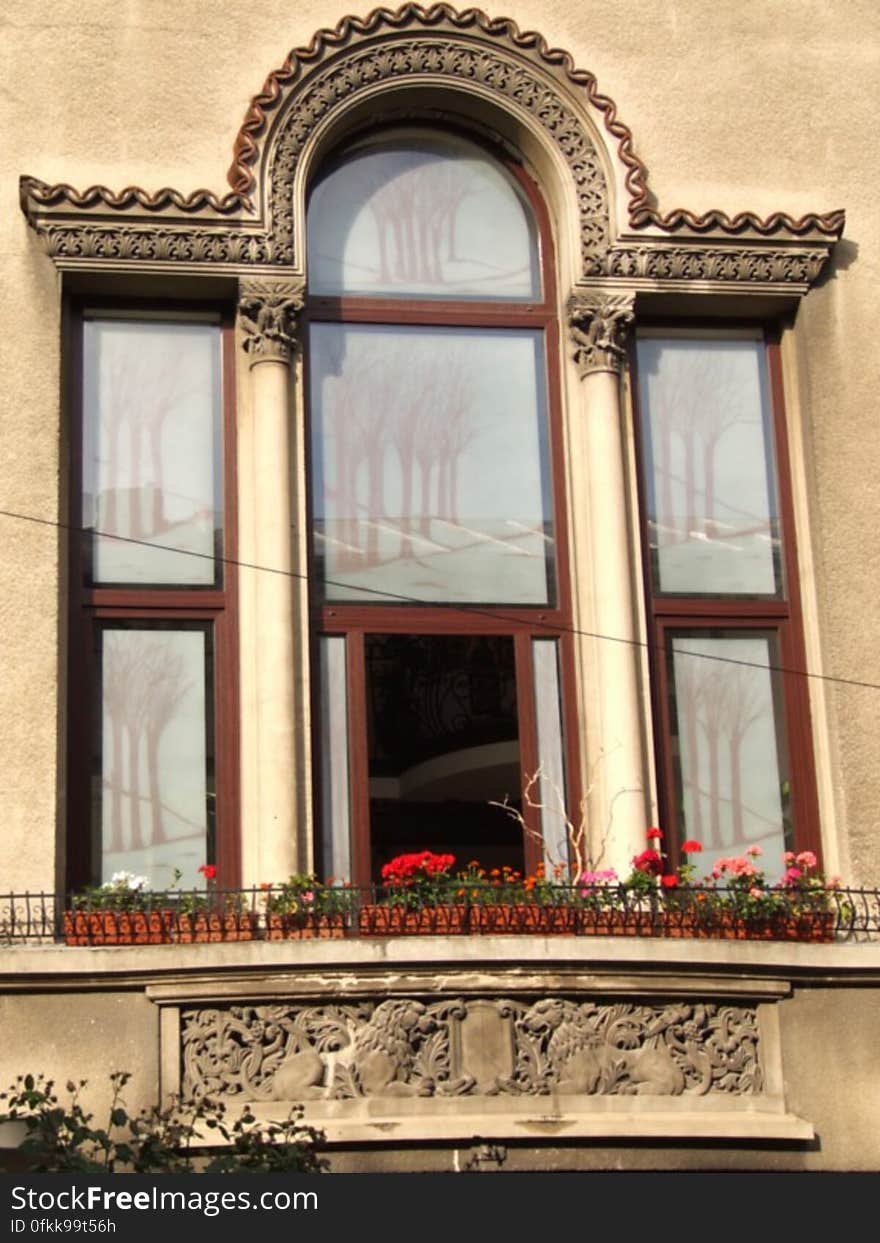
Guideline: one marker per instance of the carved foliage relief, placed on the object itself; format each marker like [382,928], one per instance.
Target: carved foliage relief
[446,61]
[470,1047]
[267,312]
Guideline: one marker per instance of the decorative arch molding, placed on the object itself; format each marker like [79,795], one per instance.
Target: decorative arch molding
[255,225]
[421,50]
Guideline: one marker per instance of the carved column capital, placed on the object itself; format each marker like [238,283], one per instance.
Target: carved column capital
[267,311]
[598,324]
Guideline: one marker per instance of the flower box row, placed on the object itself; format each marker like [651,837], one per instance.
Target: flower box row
[165,927]
[420,894]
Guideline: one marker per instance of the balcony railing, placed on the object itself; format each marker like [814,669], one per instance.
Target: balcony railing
[264,914]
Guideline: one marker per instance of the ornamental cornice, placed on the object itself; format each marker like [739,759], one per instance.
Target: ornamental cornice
[254,226]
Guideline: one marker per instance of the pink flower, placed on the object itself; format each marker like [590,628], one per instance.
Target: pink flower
[791,875]
[788,857]
[754,851]
[806,859]
[755,892]
[607,876]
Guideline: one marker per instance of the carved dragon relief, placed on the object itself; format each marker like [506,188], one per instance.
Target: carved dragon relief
[470,1047]
[439,46]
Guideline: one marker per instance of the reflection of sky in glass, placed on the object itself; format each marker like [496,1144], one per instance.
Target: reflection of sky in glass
[730,751]
[432,216]
[154,754]
[151,398]
[710,512]
[430,463]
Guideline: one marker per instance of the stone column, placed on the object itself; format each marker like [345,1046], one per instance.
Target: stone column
[611,661]
[268,588]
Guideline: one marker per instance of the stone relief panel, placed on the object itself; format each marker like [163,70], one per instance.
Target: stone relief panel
[474,1047]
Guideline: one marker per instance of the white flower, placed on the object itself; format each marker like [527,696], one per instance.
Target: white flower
[127,882]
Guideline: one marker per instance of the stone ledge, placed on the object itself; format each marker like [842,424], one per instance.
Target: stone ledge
[33,967]
[563,1125]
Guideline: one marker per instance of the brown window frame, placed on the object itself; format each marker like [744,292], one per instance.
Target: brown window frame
[91,607]
[780,614]
[521,623]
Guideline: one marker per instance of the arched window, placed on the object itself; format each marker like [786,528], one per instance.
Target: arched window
[437,506]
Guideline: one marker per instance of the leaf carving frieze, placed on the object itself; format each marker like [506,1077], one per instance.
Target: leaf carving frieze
[425,58]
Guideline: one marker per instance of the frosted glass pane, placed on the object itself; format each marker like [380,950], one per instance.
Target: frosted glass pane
[731,768]
[335,804]
[712,508]
[151,473]
[551,783]
[430,468]
[154,754]
[421,215]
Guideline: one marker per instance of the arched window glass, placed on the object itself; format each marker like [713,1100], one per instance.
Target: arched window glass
[421,214]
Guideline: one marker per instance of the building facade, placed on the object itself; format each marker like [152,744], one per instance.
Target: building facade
[446,457]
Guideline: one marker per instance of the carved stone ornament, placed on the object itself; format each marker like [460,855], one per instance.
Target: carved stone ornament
[471,1047]
[267,313]
[440,49]
[598,324]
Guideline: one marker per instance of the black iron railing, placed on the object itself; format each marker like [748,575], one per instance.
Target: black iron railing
[332,913]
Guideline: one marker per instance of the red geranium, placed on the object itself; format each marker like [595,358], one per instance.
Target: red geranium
[654,835]
[691,848]
[669,882]
[648,861]
[411,868]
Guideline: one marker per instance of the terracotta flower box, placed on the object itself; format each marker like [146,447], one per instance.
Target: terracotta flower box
[160,927]
[383,921]
[304,926]
[119,927]
[560,920]
[809,927]
[215,926]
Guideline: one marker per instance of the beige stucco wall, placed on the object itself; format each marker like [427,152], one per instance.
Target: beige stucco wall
[89,1036]
[733,105]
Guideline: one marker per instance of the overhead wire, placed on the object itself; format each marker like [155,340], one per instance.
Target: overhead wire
[470,609]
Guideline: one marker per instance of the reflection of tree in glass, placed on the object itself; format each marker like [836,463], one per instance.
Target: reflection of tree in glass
[143,686]
[693,408]
[137,396]
[401,422]
[721,703]
[415,212]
